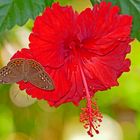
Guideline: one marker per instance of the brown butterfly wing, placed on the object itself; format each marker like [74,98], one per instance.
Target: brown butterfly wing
[38,76]
[13,72]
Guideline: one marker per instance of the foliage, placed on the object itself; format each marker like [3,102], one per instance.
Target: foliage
[14,12]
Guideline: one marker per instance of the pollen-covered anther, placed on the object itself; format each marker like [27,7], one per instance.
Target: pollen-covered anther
[91,117]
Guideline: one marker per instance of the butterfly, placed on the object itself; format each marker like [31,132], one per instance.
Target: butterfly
[27,70]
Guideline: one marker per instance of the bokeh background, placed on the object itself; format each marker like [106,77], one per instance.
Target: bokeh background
[24,118]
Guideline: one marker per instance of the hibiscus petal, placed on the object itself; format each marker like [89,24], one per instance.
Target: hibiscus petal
[24,53]
[109,67]
[102,29]
[49,34]
[75,94]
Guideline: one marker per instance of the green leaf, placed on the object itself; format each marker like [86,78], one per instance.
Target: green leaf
[14,12]
[92,2]
[48,2]
[95,1]
[131,7]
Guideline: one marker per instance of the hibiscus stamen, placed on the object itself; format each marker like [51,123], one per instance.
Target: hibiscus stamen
[91,117]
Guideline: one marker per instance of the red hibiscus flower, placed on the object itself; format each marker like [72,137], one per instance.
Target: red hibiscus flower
[83,53]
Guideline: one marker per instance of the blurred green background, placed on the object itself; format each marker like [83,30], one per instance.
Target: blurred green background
[23,118]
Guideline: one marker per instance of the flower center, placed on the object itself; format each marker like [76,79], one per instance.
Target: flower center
[69,46]
[75,47]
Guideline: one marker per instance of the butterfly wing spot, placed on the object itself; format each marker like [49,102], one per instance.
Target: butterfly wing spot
[43,78]
[46,87]
[18,62]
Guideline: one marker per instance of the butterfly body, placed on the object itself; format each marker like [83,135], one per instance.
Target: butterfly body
[27,70]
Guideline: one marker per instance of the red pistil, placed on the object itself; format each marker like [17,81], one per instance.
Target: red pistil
[91,117]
